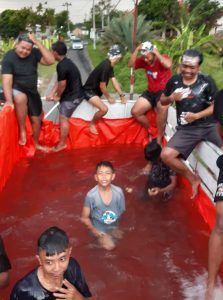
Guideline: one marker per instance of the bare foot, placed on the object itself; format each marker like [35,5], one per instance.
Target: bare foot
[195,184]
[22,138]
[42,148]
[209,293]
[93,128]
[59,147]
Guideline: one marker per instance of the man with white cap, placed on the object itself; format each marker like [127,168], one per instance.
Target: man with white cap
[157,68]
[96,85]
[193,94]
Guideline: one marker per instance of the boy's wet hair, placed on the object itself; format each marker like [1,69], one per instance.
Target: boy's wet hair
[54,241]
[152,151]
[60,47]
[105,163]
[24,37]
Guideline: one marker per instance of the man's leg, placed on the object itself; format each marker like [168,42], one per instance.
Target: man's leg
[64,131]
[21,109]
[139,110]
[161,119]
[170,157]
[215,255]
[102,110]
[36,126]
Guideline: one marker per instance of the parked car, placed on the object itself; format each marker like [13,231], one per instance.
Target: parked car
[77,44]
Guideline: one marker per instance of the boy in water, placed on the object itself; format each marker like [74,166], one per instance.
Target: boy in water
[162,180]
[103,206]
[58,275]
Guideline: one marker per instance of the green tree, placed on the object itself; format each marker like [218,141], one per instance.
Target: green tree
[206,11]
[187,37]
[12,22]
[61,19]
[120,31]
[160,10]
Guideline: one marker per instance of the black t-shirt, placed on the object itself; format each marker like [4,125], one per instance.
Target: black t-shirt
[201,95]
[24,70]
[30,288]
[67,70]
[160,175]
[219,191]
[4,261]
[218,107]
[102,73]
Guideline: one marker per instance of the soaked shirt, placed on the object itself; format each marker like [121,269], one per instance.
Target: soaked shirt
[68,71]
[4,261]
[198,97]
[30,288]
[24,70]
[157,74]
[102,73]
[160,175]
[105,217]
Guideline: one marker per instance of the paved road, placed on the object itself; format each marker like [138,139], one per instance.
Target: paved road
[80,58]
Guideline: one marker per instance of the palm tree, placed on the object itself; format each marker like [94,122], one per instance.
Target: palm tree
[120,31]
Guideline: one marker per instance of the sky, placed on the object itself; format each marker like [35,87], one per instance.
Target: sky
[78,10]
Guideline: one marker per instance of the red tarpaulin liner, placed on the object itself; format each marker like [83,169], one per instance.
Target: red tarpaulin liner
[121,131]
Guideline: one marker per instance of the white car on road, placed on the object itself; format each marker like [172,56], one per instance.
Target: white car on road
[77,44]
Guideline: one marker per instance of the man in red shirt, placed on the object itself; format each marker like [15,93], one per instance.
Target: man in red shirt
[157,68]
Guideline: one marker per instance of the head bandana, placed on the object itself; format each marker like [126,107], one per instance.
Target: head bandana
[190,60]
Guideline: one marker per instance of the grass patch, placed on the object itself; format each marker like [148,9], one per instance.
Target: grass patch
[213,65]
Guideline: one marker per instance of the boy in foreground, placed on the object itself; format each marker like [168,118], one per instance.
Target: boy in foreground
[58,276]
[103,206]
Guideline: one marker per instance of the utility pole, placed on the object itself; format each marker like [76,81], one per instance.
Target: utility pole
[94,27]
[134,31]
[68,21]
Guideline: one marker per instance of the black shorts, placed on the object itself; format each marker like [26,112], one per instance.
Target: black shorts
[153,98]
[68,107]
[187,138]
[34,102]
[90,93]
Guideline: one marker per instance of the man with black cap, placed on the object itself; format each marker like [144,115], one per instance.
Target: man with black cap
[215,256]
[158,72]
[96,85]
[5,265]
[58,276]
[19,82]
[193,93]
